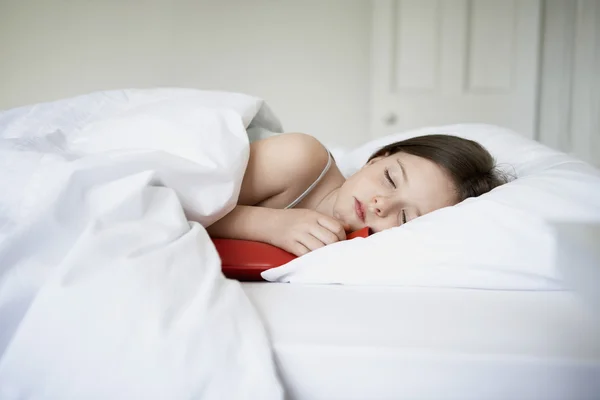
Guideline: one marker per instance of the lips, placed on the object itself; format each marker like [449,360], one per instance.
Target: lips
[360,210]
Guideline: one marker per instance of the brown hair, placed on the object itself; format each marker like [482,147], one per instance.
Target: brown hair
[469,165]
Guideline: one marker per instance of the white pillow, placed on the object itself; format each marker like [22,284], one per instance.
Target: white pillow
[501,240]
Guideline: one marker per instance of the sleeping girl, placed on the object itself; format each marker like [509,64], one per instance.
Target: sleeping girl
[293,195]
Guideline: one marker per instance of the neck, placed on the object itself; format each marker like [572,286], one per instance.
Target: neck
[325,206]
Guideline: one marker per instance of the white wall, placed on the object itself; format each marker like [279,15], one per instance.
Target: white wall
[309,59]
[569,112]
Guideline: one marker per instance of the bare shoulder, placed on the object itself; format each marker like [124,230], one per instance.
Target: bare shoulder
[281,167]
[296,148]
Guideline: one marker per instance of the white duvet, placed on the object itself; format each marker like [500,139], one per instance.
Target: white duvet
[106,290]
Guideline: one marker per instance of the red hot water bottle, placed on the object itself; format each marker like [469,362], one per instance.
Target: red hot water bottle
[244,260]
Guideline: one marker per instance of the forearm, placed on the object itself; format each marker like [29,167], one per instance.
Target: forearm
[247,223]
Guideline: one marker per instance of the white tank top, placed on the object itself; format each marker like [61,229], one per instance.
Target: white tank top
[312,186]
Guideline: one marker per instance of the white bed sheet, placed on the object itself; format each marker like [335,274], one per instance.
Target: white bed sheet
[345,342]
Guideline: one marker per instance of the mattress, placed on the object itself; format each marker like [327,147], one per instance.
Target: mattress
[348,342]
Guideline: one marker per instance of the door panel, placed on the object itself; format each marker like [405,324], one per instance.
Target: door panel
[438,62]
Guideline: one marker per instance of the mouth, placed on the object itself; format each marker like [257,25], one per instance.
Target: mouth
[359,209]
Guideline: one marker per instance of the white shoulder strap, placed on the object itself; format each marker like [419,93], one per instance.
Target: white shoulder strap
[312,186]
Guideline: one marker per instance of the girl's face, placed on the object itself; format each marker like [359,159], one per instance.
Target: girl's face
[391,190]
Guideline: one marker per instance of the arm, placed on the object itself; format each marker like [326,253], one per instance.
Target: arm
[246,223]
[297,231]
[279,169]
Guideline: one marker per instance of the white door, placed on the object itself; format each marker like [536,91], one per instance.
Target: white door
[438,62]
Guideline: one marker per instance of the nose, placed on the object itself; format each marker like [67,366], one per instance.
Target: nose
[380,206]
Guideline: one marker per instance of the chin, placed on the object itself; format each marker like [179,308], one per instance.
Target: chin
[357,224]
[354,226]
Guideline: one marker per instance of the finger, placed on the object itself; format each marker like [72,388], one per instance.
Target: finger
[324,234]
[333,225]
[298,249]
[311,242]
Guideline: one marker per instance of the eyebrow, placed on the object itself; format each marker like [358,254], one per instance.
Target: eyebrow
[403,170]
[406,180]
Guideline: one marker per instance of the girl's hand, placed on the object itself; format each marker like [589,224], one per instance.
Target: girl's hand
[300,231]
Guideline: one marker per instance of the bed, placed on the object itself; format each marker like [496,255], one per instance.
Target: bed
[495,298]
[349,342]
[110,286]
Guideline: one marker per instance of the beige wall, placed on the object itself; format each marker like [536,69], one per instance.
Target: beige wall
[309,59]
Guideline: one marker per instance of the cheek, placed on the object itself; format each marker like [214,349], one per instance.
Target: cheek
[443,198]
[343,201]
[351,188]
[365,184]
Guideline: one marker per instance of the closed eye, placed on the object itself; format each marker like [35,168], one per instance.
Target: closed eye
[389,178]
[403,217]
